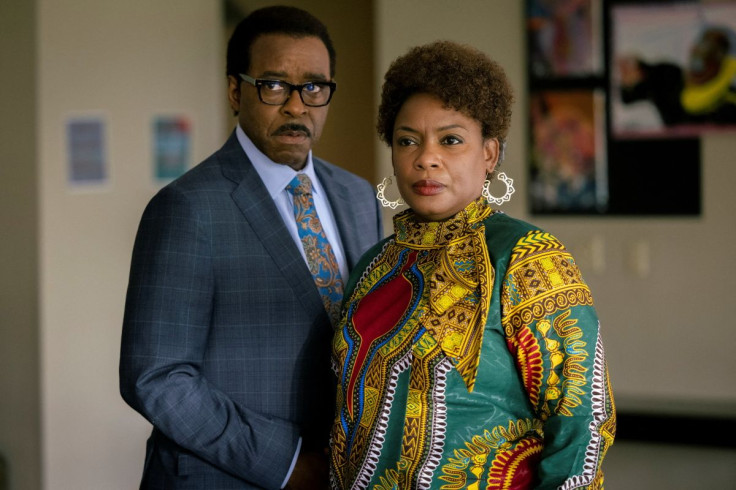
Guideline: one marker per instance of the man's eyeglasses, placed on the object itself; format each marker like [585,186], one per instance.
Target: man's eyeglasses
[277,92]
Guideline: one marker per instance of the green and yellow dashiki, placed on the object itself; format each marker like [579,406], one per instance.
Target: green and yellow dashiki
[469,356]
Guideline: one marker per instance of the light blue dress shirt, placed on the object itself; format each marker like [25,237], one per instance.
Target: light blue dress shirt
[276,176]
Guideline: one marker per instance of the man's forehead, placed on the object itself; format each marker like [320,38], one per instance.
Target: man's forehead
[278,54]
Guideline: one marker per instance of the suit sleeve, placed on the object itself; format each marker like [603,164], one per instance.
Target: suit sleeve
[165,334]
[553,331]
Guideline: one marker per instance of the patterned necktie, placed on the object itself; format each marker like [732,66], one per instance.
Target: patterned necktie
[320,258]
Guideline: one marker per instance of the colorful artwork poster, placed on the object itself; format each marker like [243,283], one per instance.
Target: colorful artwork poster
[673,69]
[565,38]
[171,136]
[87,163]
[568,157]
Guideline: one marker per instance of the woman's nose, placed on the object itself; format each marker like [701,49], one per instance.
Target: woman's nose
[428,157]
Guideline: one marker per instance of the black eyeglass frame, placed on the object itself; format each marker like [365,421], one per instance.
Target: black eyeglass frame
[259,82]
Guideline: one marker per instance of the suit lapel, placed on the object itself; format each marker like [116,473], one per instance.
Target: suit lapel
[342,208]
[254,201]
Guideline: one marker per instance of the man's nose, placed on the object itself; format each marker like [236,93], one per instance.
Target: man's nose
[294,105]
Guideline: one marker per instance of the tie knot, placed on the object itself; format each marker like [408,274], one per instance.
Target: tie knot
[300,185]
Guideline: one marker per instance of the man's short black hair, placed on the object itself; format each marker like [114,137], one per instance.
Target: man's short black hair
[290,21]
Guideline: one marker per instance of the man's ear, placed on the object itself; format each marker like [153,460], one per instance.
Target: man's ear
[491,151]
[233,94]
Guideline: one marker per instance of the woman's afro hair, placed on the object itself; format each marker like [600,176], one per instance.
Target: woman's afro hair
[462,77]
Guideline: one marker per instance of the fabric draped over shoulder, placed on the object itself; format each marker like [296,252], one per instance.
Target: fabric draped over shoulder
[459,281]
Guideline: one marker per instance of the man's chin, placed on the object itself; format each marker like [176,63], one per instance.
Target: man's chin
[295,159]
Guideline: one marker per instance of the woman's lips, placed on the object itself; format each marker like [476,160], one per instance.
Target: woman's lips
[427,187]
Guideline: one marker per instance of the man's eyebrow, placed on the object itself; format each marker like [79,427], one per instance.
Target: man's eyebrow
[280,75]
[317,77]
[272,74]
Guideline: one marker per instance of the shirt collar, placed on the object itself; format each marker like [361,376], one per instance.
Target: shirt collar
[275,176]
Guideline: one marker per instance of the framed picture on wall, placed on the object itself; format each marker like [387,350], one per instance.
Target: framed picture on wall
[568,154]
[673,69]
[565,38]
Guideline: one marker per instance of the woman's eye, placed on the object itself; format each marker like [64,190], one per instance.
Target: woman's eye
[451,140]
[404,141]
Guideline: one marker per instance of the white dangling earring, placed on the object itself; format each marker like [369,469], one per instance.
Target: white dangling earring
[382,199]
[509,190]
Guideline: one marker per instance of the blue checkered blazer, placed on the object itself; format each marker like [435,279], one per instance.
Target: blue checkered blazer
[225,344]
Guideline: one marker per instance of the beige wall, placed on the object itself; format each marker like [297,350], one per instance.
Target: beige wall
[19,367]
[126,62]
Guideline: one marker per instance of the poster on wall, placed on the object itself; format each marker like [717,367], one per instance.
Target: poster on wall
[565,38]
[86,153]
[171,141]
[568,153]
[673,69]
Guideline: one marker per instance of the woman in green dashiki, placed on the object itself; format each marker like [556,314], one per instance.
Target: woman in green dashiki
[469,353]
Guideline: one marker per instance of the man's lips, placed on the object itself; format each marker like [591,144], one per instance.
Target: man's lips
[293,131]
[427,187]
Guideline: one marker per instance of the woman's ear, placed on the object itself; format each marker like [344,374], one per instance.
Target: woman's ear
[233,94]
[491,151]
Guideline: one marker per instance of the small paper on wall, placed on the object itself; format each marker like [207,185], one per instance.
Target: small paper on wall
[87,159]
[171,139]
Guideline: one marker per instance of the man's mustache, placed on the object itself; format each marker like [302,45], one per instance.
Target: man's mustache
[293,128]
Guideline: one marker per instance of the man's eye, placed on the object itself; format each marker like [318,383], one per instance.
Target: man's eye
[313,88]
[273,85]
